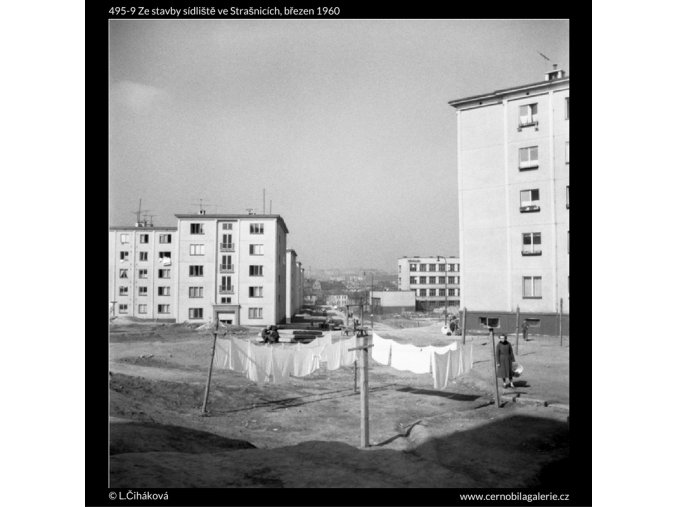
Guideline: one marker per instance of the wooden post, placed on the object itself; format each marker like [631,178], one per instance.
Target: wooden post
[517,332]
[209,377]
[493,351]
[561,303]
[355,375]
[463,328]
[364,392]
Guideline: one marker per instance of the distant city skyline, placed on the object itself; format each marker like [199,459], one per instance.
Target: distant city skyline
[344,123]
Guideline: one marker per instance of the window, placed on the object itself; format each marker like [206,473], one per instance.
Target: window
[455,268]
[422,292]
[255,292]
[143,273]
[490,322]
[528,158]
[124,256]
[422,267]
[567,111]
[143,238]
[533,322]
[412,267]
[197,229]
[195,270]
[143,256]
[143,308]
[531,287]
[163,273]
[433,292]
[441,267]
[197,250]
[455,292]
[227,226]
[163,291]
[399,268]
[528,116]
[454,280]
[412,279]
[123,273]
[567,196]
[255,228]
[255,249]
[255,270]
[566,152]
[165,238]
[531,243]
[124,238]
[440,279]
[529,200]
[163,308]
[124,291]
[143,291]
[256,313]
[194,313]
[122,308]
[442,292]
[165,255]
[423,279]
[195,292]
[432,267]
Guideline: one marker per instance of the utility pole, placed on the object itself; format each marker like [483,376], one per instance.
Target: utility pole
[209,376]
[517,331]
[493,351]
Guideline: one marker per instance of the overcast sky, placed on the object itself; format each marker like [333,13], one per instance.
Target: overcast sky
[345,123]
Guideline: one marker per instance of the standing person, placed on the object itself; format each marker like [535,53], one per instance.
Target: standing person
[504,360]
[525,330]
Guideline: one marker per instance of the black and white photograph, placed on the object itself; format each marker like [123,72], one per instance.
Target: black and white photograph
[338,253]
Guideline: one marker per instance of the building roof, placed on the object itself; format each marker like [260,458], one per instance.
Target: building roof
[501,94]
[198,216]
[430,257]
[134,228]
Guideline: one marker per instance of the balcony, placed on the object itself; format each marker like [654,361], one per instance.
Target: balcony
[527,122]
[227,247]
[226,268]
[528,165]
[530,253]
[530,208]
[165,261]
[223,289]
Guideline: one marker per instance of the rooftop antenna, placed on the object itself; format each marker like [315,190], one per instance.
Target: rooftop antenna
[270,207]
[138,214]
[543,56]
[202,205]
[148,220]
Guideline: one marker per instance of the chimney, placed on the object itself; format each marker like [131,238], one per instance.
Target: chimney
[554,73]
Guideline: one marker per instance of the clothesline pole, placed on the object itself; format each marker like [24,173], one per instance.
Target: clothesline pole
[355,375]
[493,351]
[517,331]
[463,328]
[561,304]
[209,377]
[364,391]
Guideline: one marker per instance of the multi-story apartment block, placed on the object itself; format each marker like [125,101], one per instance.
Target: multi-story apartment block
[513,184]
[142,271]
[231,268]
[434,280]
[294,285]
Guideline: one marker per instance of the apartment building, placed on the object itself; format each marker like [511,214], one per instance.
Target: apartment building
[142,276]
[434,280]
[294,273]
[231,268]
[513,183]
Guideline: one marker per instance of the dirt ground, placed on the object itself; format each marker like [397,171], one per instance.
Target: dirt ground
[310,428]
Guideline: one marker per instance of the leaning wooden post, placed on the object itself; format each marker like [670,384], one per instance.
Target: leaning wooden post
[355,375]
[493,350]
[364,391]
[561,303]
[463,328]
[209,376]
[517,332]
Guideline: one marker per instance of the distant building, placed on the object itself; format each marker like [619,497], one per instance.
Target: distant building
[142,271]
[434,280]
[340,300]
[513,184]
[389,302]
[294,285]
